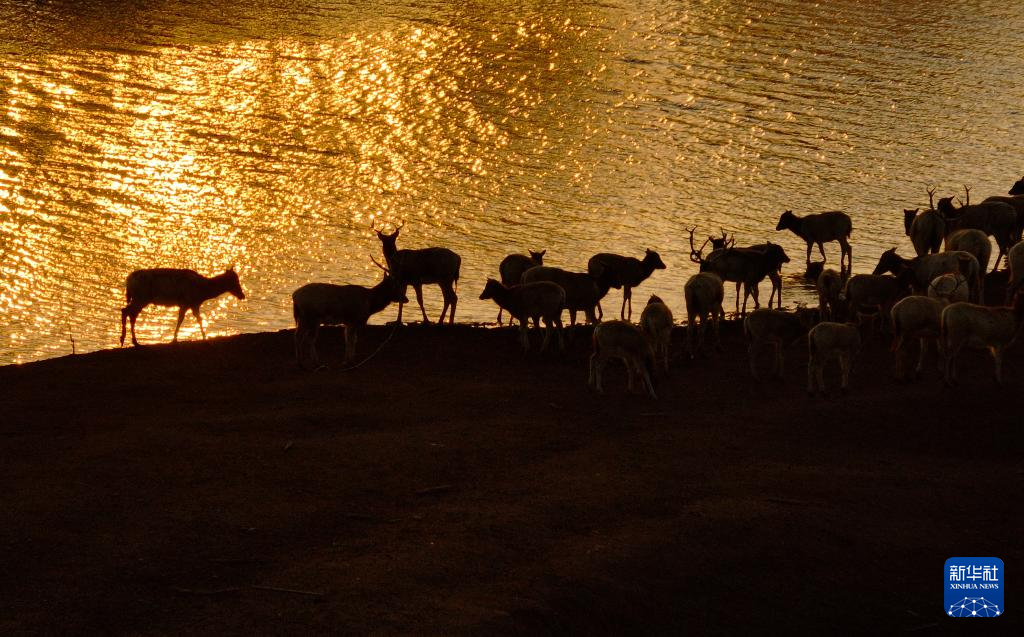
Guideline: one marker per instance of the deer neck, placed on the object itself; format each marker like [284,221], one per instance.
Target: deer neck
[379,297]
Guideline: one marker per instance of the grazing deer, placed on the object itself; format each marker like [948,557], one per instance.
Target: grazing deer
[420,267]
[624,272]
[317,304]
[778,329]
[540,300]
[512,268]
[744,266]
[184,289]
[926,268]
[820,229]
[625,341]
[994,218]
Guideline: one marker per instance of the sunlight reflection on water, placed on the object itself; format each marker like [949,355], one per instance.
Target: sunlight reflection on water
[205,135]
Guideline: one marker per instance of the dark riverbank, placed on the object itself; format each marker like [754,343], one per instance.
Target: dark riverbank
[452,484]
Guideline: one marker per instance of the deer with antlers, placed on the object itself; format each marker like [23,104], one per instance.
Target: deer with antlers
[995,218]
[925,228]
[420,267]
[317,304]
[745,266]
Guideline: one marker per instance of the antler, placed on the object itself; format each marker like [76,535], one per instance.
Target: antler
[386,271]
[695,255]
[967,194]
[726,241]
[931,196]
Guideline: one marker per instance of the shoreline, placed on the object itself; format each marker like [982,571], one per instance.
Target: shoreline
[454,484]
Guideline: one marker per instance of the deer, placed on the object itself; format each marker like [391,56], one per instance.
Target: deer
[656,323]
[171,287]
[819,229]
[513,266]
[1016,259]
[316,304]
[778,329]
[703,292]
[420,267]
[744,266]
[582,291]
[970,240]
[524,301]
[829,286]
[926,268]
[624,272]
[725,241]
[994,218]
[925,228]
[827,341]
[625,341]
[971,325]
[915,317]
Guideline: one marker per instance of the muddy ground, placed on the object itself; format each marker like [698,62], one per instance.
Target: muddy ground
[453,484]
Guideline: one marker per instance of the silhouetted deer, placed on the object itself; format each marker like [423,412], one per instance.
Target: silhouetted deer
[512,268]
[624,272]
[925,228]
[744,266]
[420,267]
[317,304]
[820,229]
[995,218]
[184,289]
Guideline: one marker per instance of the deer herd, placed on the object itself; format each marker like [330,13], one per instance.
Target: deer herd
[931,301]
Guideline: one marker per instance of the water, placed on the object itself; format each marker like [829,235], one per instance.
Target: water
[268,134]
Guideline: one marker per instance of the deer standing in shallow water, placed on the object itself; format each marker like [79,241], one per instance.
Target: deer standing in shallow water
[184,289]
[820,229]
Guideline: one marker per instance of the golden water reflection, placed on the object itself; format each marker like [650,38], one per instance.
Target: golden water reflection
[191,136]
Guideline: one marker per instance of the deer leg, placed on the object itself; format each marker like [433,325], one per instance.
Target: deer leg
[810,376]
[752,355]
[181,317]
[595,372]
[625,299]
[561,332]
[350,343]
[451,299]
[133,315]
[821,249]
[997,356]
[738,297]
[199,319]
[810,245]
[400,305]
[419,299]
[124,320]
[844,364]
[500,309]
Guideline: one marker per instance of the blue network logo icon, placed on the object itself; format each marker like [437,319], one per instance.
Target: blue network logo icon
[974,587]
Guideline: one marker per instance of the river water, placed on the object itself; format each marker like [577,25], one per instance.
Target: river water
[268,134]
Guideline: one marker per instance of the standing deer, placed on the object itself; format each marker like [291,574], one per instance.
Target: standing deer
[317,304]
[624,272]
[420,267]
[820,229]
[926,228]
[184,289]
[994,218]
[512,268]
[744,266]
